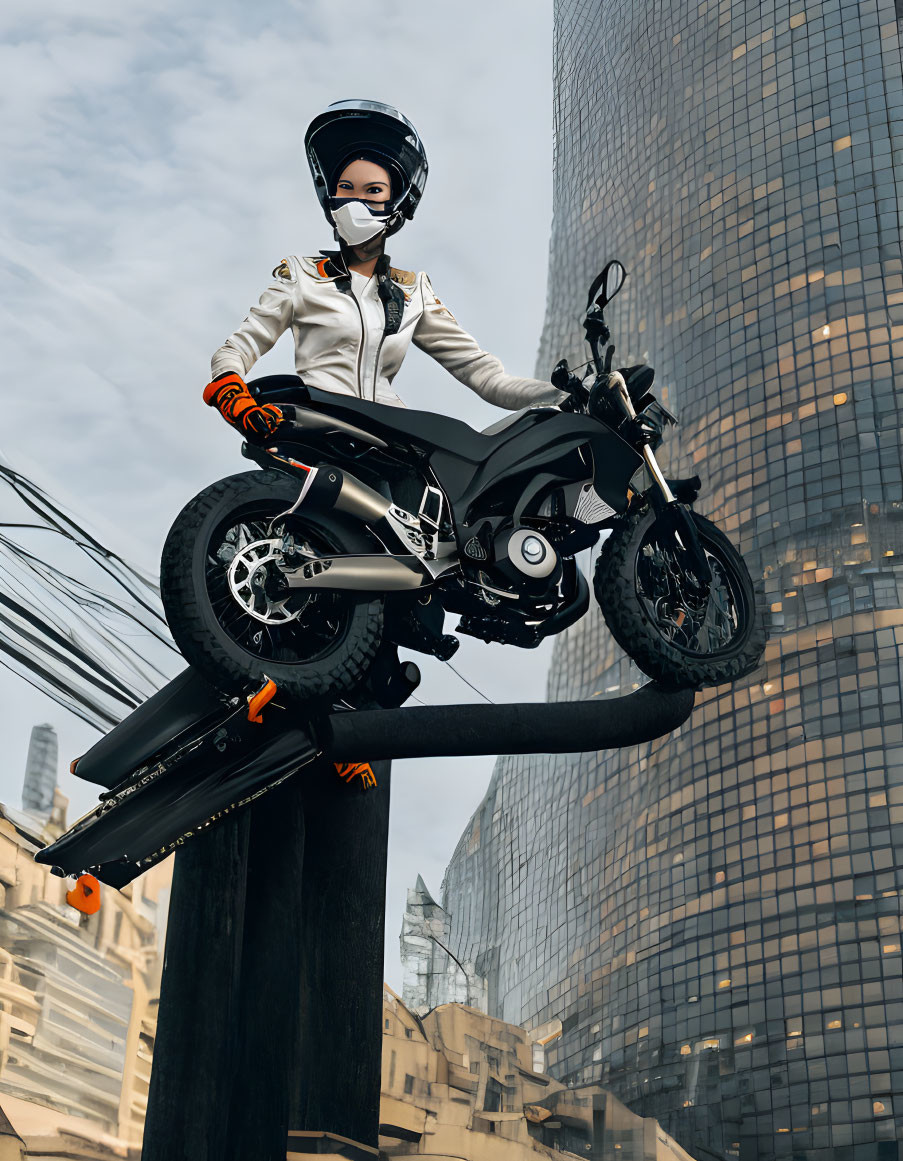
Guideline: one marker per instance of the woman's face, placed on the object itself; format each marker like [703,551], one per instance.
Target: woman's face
[366,181]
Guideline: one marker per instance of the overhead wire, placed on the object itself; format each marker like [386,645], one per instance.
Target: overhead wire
[84,647]
[468,682]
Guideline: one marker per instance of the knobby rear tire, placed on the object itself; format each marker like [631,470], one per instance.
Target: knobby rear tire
[193,622]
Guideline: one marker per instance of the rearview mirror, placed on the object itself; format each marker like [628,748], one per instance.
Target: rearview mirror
[612,280]
[609,282]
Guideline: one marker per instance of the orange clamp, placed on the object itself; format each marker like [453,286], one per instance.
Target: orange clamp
[348,771]
[85,895]
[257,701]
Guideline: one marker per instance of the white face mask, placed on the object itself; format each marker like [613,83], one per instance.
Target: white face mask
[357,223]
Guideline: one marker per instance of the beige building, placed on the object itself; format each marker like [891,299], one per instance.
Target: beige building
[461,1086]
[78,1002]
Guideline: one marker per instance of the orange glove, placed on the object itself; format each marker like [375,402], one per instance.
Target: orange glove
[229,394]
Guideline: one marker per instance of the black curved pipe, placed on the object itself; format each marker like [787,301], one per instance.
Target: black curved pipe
[224,761]
[567,727]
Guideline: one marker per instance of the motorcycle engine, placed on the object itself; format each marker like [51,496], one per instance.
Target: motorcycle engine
[527,560]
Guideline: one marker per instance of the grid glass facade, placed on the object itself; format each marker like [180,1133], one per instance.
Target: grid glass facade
[715,918]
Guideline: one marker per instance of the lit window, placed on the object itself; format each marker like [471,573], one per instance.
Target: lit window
[685,1050]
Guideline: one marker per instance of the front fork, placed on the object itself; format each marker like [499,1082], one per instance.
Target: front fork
[619,384]
[675,516]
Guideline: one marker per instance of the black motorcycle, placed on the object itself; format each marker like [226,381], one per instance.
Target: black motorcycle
[369,523]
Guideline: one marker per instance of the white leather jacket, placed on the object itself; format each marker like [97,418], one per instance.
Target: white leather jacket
[339,326]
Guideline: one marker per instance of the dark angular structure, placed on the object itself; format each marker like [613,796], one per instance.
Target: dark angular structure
[715,918]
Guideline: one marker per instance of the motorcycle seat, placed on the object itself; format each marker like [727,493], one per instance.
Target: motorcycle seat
[425,428]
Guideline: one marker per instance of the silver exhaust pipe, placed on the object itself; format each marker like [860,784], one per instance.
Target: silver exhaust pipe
[357,499]
[329,488]
[378,574]
[332,489]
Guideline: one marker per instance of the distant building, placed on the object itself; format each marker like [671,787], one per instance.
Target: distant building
[78,1002]
[432,974]
[41,768]
[458,1084]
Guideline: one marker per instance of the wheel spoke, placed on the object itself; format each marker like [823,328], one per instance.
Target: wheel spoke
[699,626]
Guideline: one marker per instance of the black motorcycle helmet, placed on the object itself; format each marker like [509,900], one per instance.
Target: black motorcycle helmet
[351,129]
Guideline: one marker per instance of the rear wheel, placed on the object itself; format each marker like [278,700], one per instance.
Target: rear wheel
[230,615]
[679,636]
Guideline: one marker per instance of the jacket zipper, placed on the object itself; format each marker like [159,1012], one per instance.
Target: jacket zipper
[376,364]
[360,349]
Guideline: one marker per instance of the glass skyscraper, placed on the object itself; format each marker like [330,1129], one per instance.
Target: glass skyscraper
[710,925]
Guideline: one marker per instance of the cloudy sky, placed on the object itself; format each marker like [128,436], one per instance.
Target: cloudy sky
[154,176]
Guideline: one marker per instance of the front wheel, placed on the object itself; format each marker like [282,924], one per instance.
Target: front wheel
[219,582]
[677,635]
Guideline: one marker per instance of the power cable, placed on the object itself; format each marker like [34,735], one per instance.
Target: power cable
[467,682]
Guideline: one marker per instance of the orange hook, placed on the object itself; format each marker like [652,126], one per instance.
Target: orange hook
[85,895]
[260,699]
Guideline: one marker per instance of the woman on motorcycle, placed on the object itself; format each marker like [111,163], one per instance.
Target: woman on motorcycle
[353,315]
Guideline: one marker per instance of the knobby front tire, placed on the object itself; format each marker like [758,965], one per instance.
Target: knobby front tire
[676,639]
